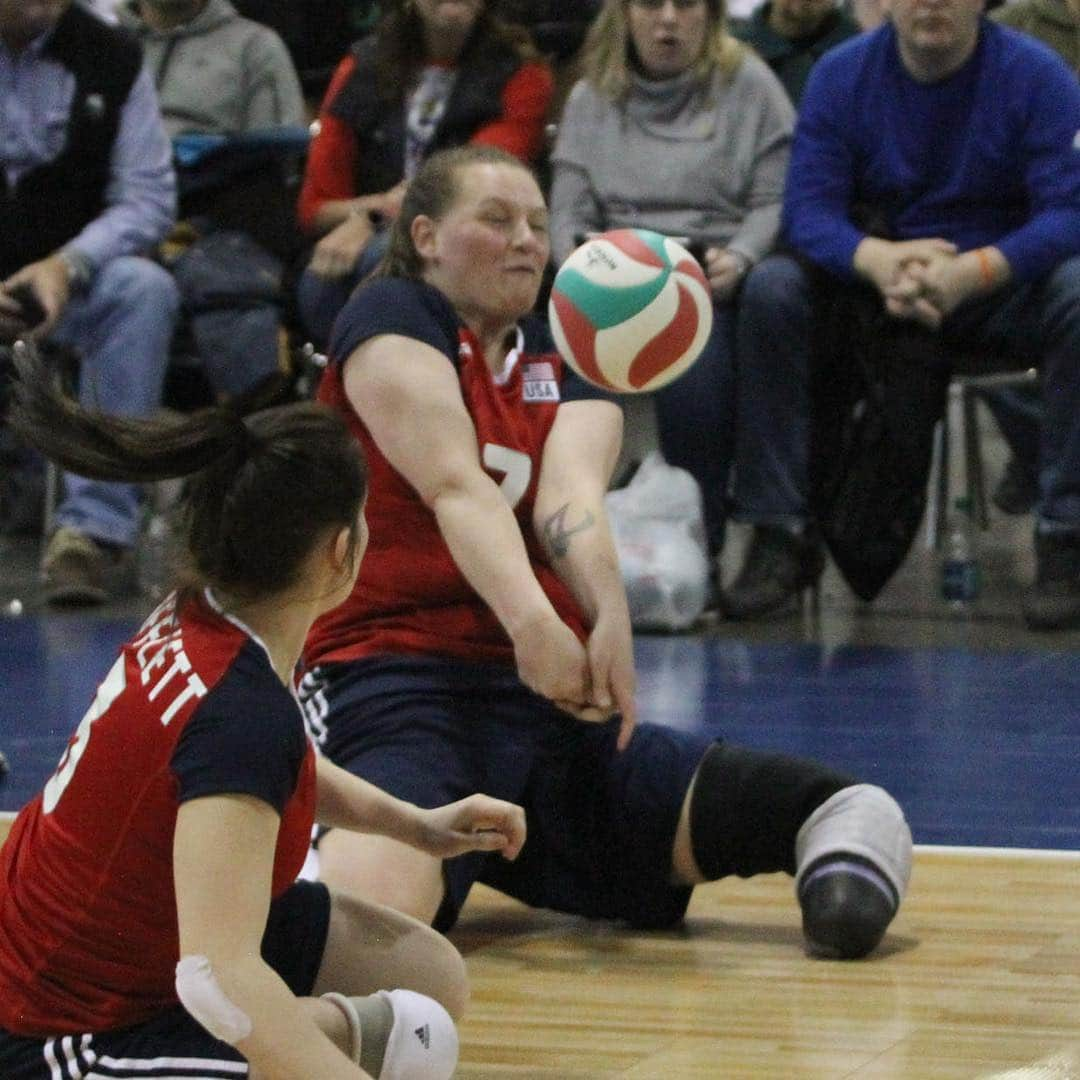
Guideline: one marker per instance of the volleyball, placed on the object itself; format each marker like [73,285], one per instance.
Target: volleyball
[630,310]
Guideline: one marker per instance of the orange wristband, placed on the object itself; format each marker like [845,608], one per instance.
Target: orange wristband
[986,270]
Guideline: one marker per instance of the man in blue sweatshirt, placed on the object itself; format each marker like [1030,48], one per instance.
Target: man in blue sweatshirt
[962,138]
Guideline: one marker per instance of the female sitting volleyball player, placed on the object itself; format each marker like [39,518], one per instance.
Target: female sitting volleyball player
[487,644]
[149,918]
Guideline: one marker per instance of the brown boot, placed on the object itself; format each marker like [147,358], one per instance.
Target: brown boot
[76,569]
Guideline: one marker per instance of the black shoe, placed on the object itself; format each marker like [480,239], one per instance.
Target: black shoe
[779,565]
[1017,489]
[1053,602]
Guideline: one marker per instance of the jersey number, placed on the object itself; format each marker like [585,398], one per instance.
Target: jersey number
[110,689]
[516,468]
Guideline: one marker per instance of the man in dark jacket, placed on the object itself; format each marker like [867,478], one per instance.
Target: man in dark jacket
[790,35]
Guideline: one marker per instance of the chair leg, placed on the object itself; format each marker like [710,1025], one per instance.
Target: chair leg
[938,494]
[976,484]
[50,500]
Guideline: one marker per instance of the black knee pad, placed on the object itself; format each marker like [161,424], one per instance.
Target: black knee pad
[748,806]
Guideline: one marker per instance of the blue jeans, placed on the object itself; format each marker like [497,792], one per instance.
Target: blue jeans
[1039,319]
[695,419]
[773,344]
[122,328]
[320,299]
[1017,410]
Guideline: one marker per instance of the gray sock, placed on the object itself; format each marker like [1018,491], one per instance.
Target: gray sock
[376,1019]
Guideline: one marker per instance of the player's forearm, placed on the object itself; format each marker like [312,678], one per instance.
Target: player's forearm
[485,541]
[347,802]
[576,537]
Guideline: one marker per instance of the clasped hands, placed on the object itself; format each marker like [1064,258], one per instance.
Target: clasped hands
[921,280]
[593,681]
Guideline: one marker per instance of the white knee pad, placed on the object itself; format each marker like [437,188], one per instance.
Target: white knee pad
[423,1043]
[201,994]
[862,820]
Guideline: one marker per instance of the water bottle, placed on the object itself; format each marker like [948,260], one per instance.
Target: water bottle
[959,566]
[153,558]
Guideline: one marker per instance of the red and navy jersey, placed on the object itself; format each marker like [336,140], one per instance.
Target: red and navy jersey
[410,596]
[88,926]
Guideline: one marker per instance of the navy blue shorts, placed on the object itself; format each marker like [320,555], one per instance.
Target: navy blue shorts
[601,824]
[172,1043]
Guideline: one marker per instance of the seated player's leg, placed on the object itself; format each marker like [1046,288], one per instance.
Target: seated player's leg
[750,812]
[383,871]
[392,730]
[853,857]
[370,947]
[407,1031]
[426,730]
[602,822]
[367,975]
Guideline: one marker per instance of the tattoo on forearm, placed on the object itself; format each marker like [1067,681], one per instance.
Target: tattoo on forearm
[557,533]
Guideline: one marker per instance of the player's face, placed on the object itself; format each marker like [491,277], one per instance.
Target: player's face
[936,28]
[488,251]
[23,20]
[668,35]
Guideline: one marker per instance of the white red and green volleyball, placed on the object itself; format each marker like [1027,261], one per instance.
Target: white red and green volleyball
[630,310]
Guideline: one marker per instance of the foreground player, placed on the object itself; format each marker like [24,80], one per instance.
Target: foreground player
[487,644]
[179,816]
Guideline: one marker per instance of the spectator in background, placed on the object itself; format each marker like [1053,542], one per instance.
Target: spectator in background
[1054,22]
[789,35]
[557,28]
[677,127]
[221,75]
[88,189]
[215,71]
[958,136]
[316,32]
[433,75]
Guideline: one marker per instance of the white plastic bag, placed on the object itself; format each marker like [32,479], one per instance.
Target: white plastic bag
[659,530]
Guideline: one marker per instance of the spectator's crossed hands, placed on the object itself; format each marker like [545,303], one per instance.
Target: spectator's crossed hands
[944,282]
[895,268]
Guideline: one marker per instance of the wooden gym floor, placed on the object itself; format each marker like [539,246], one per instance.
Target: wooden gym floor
[979,976]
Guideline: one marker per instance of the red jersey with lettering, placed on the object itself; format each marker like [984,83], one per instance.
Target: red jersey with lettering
[88,925]
[411,597]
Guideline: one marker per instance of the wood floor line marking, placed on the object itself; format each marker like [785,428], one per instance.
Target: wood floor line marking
[971,852]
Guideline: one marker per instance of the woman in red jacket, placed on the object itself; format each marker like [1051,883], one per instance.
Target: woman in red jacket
[436,74]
